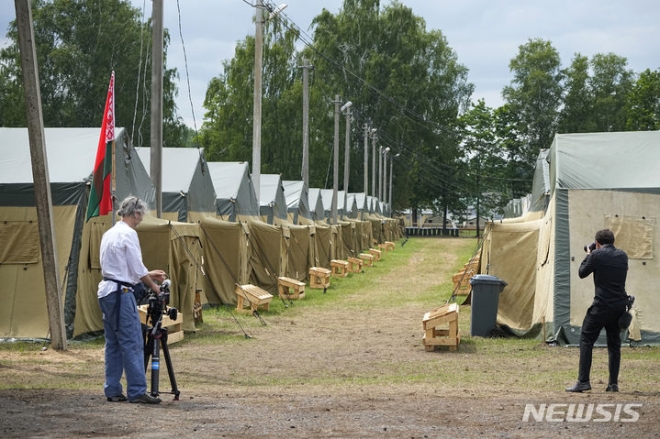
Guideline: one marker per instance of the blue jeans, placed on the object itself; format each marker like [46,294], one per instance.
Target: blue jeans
[124,346]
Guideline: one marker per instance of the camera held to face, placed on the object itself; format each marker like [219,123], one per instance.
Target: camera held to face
[589,248]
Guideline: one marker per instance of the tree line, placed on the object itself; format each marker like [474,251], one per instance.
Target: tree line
[404,81]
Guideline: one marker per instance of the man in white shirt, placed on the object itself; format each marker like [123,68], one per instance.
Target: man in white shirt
[122,268]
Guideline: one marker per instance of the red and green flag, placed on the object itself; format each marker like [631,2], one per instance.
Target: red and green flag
[100,196]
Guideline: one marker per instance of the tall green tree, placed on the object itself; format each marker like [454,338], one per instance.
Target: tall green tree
[576,113]
[644,102]
[404,81]
[610,83]
[534,97]
[226,133]
[401,79]
[485,159]
[79,43]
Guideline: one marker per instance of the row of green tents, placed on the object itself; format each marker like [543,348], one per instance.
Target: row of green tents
[213,233]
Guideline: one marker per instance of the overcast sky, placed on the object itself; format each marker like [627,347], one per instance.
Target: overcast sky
[485,34]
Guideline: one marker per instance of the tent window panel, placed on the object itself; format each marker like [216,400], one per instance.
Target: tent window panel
[634,235]
[20,242]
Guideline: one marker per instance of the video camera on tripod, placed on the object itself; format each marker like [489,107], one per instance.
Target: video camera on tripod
[157,305]
[156,337]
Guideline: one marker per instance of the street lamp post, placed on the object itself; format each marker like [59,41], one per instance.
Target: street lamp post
[335,170]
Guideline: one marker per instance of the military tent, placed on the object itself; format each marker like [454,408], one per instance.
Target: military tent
[297,202]
[596,180]
[71,153]
[316,205]
[187,188]
[226,257]
[272,203]
[236,200]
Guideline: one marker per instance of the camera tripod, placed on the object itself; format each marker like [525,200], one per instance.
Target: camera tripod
[156,337]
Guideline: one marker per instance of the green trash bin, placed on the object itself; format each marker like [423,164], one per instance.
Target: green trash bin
[486,291]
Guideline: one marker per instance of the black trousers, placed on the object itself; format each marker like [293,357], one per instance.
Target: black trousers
[597,318]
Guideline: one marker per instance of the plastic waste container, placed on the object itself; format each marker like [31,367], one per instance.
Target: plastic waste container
[486,291]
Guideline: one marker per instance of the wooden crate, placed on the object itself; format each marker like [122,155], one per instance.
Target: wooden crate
[433,335]
[319,277]
[375,253]
[290,288]
[367,259]
[174,327]
[354,265]
[339,267]
[253,297]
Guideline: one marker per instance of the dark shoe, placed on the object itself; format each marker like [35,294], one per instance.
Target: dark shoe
[614,387]
[117,398]
[579,387]
[146,399]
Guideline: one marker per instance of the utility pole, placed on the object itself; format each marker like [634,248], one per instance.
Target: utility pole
[256,119]
[385,175]
[347,152]
[157,104]
[366,160]
[335,170]
[42,194]
[374,137]
[305,163]
[390,197]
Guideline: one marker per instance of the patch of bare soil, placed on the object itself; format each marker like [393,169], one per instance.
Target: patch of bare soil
[355,368]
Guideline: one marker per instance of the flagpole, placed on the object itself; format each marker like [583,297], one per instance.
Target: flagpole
[113,183]
[113,171]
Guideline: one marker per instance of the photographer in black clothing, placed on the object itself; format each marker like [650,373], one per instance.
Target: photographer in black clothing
[609,266]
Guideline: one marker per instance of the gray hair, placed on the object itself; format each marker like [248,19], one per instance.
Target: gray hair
[131,206]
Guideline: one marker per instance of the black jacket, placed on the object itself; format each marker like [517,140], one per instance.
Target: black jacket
[610,268]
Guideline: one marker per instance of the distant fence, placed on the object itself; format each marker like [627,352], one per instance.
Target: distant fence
[431,231]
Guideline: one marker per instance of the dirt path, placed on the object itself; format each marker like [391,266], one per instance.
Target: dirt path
[352,368]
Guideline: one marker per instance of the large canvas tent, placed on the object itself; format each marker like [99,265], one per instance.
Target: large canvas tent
[316,204]
[297,202]
[236,200]
[272,203]
[71,153]
[187,188]
[597,180]
[172,246]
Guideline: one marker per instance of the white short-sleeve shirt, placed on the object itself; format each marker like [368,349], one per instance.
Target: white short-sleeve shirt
[121,258]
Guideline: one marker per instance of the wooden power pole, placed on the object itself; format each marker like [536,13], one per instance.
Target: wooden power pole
[40,176]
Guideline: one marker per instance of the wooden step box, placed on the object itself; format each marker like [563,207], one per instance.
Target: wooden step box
[290,288]
[253,297]
[367,259]
[375,253]
[339,267]
[433,335]
[319,277]
[354,265]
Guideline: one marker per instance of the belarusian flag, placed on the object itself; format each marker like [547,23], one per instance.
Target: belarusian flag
[100,197]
